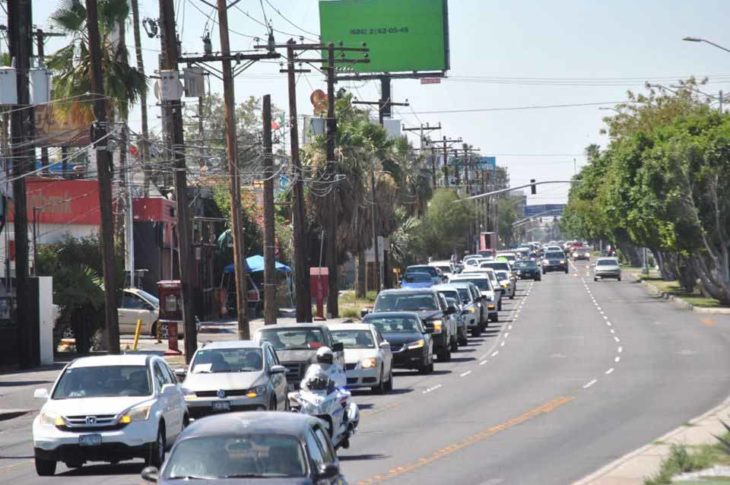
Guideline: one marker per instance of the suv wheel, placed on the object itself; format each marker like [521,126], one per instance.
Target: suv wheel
[389,384]
[157,450]
[454,344]
[380,388]
[45,468]
[476,331]
[444,354]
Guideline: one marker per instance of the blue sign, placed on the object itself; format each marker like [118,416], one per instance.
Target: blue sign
[488,163]
[546,210]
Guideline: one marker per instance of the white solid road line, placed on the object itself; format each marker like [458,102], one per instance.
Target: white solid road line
[590,384]
[609,371]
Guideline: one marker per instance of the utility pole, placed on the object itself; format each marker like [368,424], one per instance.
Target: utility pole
[144,146]
[423,128]
[104,169]
[446,146]
[269,263]
[331,232]
[173,112]
[40,37]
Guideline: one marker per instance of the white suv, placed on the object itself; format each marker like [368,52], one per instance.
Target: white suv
[108,408]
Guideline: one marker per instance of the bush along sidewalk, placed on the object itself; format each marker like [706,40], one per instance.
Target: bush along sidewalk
[686,459]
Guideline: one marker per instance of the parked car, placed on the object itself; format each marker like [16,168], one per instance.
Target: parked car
[484,283]
[436,274]
[554,261]
[607,268]
[259,447]
[528,269]
[137,304]
[296,346]
[508,282]
[108,408]
[368,358]
[476,313]
[234,375]
[433,310]
[410,341]
[451,293]
[416,280]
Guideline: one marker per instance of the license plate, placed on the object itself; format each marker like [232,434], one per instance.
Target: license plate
[90,440]
[221,406]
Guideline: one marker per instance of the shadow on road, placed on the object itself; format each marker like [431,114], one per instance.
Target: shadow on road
[462,359]
[22,383]
[362,457]
[106,469]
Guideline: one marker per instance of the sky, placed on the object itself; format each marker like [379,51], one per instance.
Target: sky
[562,51]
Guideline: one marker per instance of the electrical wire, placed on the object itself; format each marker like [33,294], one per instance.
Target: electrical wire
[290,22]
[521,108]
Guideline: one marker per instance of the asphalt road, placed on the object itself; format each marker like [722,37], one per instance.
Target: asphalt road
[576,374]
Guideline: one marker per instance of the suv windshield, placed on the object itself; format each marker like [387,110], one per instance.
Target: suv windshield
[388,325]
[481,283]
[293,338]
[410,302]
[227,360]
[526,264]
[417,277]
[103,381]
[555,255]
[495,265]
[354,339]
[606,262]
[237,456]
[464,294]
[422,269]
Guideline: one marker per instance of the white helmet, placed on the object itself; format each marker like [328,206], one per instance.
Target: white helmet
[325,355]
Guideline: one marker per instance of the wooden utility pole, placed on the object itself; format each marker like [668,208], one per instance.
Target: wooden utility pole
[446,147]
[104,169]
[239,255]
[40,37]
[144,146]
[20,21]
[269,236]
[331,232]
[172,110]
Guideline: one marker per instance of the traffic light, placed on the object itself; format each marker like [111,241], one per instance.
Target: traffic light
[533,187]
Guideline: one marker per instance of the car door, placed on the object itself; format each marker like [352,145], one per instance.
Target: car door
[131,309]
[329,455]
[168,401]
[278,381]
[339,355]
[384,351]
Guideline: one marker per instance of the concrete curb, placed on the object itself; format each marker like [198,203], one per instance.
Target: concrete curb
[6,414]
[633,468]
[679,302]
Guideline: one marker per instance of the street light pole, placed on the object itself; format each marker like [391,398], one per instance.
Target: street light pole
[700,39]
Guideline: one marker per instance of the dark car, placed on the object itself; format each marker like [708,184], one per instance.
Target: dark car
[554,261]
[431,308]
[528,269]
[296,346]
[410,342]
[416,279]
[270,448]
[436,274]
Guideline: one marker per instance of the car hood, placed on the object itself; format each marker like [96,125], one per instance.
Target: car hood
[93,405]
[430,314]
[287,356]
[239,481]
[222,380]
[402,338]
[356,355]
[420,284]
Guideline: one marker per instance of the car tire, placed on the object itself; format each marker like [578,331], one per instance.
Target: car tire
[495,318]
[380,388]
[499,305]
[444,355]
[156,454]
[512,296]
[595,279]
[389,384]
[476,331]
[463,340]
[543,271]
[619,278]
[566,270]
[273,404]
[454,347]
[426,368]
[45,468]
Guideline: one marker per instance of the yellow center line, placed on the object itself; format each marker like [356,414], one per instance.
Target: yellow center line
[483,435]
[709,322]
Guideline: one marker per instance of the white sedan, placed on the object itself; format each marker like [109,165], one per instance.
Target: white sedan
[368,359]
[109,408]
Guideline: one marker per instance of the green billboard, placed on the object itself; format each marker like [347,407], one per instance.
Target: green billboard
[402,35]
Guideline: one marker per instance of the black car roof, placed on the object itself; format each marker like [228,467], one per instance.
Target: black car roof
[407,291]
[261,422]
[391,315]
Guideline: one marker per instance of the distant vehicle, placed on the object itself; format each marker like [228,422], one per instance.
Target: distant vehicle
[296,346]
[508,282]
[433,310]
[453,298]
[484,283]
[471,301]
[368,357]
[259,447]
[137,304]
[607,268]
[510,257]
[528,269]
[445,266]
[581,253]
[417,280]
[436,274]
[108,408]
[234,375]
[554,261]
[410,341]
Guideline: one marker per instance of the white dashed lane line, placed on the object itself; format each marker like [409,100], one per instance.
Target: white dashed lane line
[464,374]
[431,389]
[589,384]
[609,371]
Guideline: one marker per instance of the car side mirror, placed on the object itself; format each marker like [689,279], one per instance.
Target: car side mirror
[385,344]
[278,369]
[150,474]
[180,373]
[328,471]
[40,393]
[450,310]
[364,312]
[338,347]
[483,297]
[168,389]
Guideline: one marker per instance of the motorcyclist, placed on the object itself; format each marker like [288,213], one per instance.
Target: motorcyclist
[325,362]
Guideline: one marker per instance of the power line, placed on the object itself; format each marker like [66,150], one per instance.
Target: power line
[289,21]
[521,108]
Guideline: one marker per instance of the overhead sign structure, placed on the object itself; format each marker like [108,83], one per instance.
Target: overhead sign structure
[488,163]
[402,35]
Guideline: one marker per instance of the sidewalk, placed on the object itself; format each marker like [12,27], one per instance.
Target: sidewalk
[634,468]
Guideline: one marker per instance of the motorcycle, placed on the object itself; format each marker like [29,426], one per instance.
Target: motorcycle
[331,404]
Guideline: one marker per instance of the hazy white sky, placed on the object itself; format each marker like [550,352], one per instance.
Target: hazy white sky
[596,49]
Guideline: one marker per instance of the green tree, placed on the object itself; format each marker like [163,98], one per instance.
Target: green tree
[445,225]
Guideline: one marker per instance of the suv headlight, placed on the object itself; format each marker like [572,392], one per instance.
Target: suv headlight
[256,391]
[437,325]
[51,419]
[418,344]
[369,363]
[562,261]
[137,413]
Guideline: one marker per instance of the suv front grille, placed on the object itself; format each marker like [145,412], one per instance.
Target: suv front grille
[89,422]
[228,393]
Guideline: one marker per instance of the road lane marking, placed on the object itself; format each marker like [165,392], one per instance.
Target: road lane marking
[709,322]
[620,349]
[472,440]
[590,384]
[605,317]
[608,323]
[484,362]
[509,327]
[617,359]
[613,331]
[502,344]
[464,374]
[432,388]
[617,339]
[495,353]
[506,334]
[609,371]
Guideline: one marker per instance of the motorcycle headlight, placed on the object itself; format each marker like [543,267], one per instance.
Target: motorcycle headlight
[437,324]
[256,391]
[51,419]
[420,343]
[137,413]
[368,363]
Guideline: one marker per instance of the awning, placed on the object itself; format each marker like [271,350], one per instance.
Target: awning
[255,264]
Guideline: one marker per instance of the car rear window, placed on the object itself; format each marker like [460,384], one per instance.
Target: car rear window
[354,339]
[606,262]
